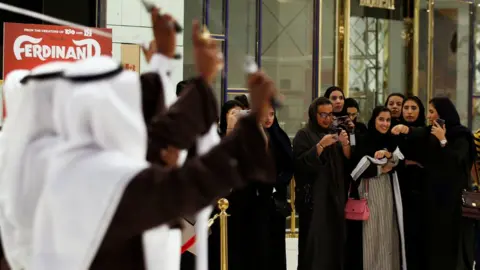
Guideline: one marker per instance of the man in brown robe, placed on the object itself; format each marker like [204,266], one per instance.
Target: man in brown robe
[156,195]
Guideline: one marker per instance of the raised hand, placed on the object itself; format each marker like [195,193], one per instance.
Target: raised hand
[164,33]
[262,89]
[439,131]
[343,138]
[400,129]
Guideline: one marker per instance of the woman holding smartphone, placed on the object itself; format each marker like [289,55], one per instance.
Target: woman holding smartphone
[450,152]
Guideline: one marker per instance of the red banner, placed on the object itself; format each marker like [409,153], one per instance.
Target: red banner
[26,46]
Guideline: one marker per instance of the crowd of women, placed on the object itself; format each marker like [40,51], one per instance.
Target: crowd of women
[407,167]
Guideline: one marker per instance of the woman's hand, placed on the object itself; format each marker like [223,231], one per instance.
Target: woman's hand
[439,131]
[164,33]
[343,138]
[387,168]
[328,140]
[261,89]
[400,129]
[350,123]
[232,118]
[382,154]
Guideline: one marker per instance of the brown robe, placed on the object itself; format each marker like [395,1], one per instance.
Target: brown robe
[158,195]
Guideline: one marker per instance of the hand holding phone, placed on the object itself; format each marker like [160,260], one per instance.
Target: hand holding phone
[149,6]
[440,122]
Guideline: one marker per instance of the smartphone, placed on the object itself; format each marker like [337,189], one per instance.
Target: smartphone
[440,122]
[149,6]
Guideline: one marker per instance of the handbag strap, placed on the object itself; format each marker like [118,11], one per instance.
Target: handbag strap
[366,188]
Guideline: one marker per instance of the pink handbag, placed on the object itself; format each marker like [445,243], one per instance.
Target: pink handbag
[357,209]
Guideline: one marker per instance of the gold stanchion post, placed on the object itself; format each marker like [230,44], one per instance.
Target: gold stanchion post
[293,225]
[223,206]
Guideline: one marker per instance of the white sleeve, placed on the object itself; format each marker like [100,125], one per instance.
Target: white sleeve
[162,65]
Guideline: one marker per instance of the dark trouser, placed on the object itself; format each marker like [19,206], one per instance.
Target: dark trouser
[305,218]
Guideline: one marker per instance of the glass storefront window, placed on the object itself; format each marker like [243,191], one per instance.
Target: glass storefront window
[327,39]
[378,56]
[241,39]
[451,45]
[216,16]
[287,53]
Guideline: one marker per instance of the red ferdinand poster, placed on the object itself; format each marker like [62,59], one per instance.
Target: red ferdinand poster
[26,46]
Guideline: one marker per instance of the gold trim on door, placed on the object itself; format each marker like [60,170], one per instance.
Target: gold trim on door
[416,42]
[431,21]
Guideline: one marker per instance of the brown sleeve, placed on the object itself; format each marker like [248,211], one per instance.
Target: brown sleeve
[152,96]
[158,195]
[191,115]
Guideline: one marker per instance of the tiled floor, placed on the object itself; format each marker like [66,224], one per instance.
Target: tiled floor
[292,249]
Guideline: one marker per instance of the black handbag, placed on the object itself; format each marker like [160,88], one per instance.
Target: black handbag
[471,202]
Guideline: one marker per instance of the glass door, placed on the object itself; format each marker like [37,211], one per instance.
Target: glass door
[378,59]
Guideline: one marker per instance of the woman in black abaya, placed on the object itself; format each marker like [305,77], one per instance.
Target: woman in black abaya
[412,178]
[322,178]
[248,216]
[274,197]
[449,155]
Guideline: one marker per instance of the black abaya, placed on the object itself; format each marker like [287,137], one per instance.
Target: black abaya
[321,182]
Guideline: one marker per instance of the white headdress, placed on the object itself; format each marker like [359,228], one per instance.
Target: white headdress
[21,184]
[11,88]
[104,148]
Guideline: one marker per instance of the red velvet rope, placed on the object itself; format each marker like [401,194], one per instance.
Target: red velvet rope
[188,244]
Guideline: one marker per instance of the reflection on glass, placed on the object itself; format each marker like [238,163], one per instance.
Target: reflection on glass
[216,16]
[327,39]
[287,53]
[241,39]
[450,50]
[192,10]
[423,53]
[218,87]
[378,56]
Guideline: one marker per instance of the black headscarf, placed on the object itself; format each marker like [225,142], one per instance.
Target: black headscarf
[360,128]
[376,140]
[395,121]
[329,92]
[446,110]
[351,103]
[283,153]
[312,115]
[420,122]
[222,127]
[244,100]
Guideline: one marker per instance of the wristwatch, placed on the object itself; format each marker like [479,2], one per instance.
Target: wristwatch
[443,142]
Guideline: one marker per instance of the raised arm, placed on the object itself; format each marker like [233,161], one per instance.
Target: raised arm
[158,195]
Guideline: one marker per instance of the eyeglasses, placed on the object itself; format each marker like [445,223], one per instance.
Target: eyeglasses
[353,115]
[325,115]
